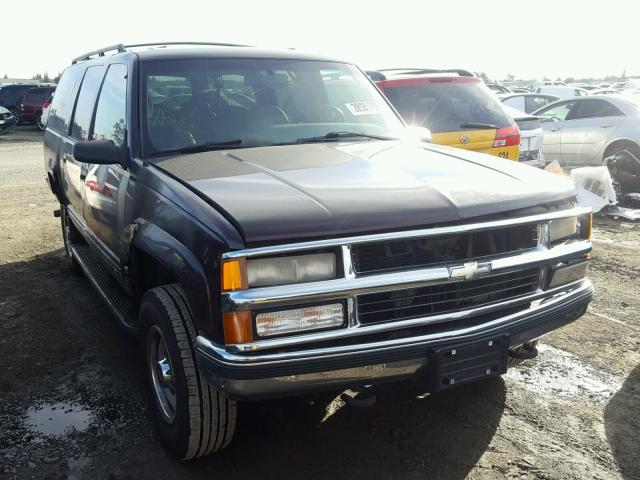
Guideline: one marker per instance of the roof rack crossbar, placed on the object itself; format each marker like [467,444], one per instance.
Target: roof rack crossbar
[98,53]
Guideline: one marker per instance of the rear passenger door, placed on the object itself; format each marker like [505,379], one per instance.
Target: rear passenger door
[75,172]
[587,130]
[106,185]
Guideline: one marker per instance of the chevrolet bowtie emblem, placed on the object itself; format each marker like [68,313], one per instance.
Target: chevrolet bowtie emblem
[470,270]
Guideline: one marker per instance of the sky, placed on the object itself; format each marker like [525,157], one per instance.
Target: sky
[529,39]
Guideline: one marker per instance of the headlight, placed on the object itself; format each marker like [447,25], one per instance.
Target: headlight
[571,228]
[306,319]
[239,326]
[238,274]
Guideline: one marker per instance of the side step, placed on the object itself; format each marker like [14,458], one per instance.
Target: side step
[108,288]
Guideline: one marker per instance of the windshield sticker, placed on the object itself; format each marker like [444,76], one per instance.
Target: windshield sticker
[362,108]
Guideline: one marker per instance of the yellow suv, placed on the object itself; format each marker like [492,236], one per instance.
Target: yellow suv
[457,107]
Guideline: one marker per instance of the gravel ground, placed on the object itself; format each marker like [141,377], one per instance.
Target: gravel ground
[72,402]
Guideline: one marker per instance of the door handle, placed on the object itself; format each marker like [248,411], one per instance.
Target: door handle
[606,126]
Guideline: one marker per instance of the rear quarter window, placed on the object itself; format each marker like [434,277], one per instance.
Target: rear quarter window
[64,99]
[446,107]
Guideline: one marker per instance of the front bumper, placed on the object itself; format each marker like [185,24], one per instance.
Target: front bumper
[289,373]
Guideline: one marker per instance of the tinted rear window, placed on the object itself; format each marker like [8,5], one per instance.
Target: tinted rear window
[445,107]
[64,99]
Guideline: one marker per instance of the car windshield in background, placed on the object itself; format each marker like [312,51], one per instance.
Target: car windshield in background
[448,107]
[234,103]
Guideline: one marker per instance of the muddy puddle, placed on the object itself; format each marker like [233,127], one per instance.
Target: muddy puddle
[561,374]
[58,418]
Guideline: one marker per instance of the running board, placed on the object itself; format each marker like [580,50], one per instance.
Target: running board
[108,288]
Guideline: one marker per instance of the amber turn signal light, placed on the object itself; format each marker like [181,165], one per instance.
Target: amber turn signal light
[234,275]
[237,327]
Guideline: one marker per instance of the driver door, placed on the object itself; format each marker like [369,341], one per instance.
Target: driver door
[552,121]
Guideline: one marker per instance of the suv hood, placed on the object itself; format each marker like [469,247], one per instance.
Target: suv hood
[289,193]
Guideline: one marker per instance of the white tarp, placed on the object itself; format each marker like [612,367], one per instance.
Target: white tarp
[594,186]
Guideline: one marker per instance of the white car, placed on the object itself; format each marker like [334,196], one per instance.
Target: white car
[531,137]
[527,102]
[562,91]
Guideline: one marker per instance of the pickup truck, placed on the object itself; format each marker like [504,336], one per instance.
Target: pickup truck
[267,226]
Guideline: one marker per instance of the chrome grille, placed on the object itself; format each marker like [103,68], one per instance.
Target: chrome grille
[445,298]
[404,254]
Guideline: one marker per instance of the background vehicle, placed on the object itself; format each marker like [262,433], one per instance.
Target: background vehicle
[562,91]
[584,131]
[498,88]
[11,97]
[7,120]
[458,108]
[255,217]
[44,117]
[527,102]
[531,137]
[33,102]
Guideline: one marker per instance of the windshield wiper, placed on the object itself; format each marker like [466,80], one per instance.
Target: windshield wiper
[479,126]
[341,135]
[204,147]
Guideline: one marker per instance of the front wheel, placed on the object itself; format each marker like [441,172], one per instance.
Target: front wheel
[191,417]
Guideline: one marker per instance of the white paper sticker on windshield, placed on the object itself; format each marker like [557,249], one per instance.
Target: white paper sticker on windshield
[362,108]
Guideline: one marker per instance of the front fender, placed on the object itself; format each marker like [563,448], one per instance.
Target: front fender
[181,263]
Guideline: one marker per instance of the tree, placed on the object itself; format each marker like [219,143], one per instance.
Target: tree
[5,76]
[483,76]
[510,77]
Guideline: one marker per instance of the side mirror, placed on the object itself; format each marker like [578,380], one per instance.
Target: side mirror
[418,134]
[99,152]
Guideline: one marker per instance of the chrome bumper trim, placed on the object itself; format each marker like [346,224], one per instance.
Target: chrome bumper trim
[232,354]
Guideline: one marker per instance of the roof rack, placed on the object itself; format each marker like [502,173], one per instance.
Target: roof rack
[98,53]
[120,48]
[382,73]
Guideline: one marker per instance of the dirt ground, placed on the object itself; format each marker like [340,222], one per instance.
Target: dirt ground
[72,402]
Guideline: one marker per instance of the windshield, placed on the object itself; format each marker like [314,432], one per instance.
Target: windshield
[447,107]
[235,103]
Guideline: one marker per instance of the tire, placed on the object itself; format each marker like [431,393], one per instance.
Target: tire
[70,237]
[16,113]
[512,362]
[37,121]
[191,418]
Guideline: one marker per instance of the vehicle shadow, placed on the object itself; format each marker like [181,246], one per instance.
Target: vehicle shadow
[404,435]
[49,313]
[622,425]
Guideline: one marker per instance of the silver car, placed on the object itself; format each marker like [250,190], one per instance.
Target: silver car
[583,131]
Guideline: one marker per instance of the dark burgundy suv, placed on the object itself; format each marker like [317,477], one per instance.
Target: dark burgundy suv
[33,102]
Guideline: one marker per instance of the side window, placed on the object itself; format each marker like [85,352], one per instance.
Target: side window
[533,103]
[556,113]
[111,112]
[594,107]
[86,102]
[60,113]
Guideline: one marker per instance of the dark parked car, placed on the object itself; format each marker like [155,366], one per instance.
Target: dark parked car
[34,101]
[260,220]
[7,120]
[11,97]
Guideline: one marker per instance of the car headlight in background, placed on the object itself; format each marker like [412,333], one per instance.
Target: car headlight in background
[239,274]
[570,228]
